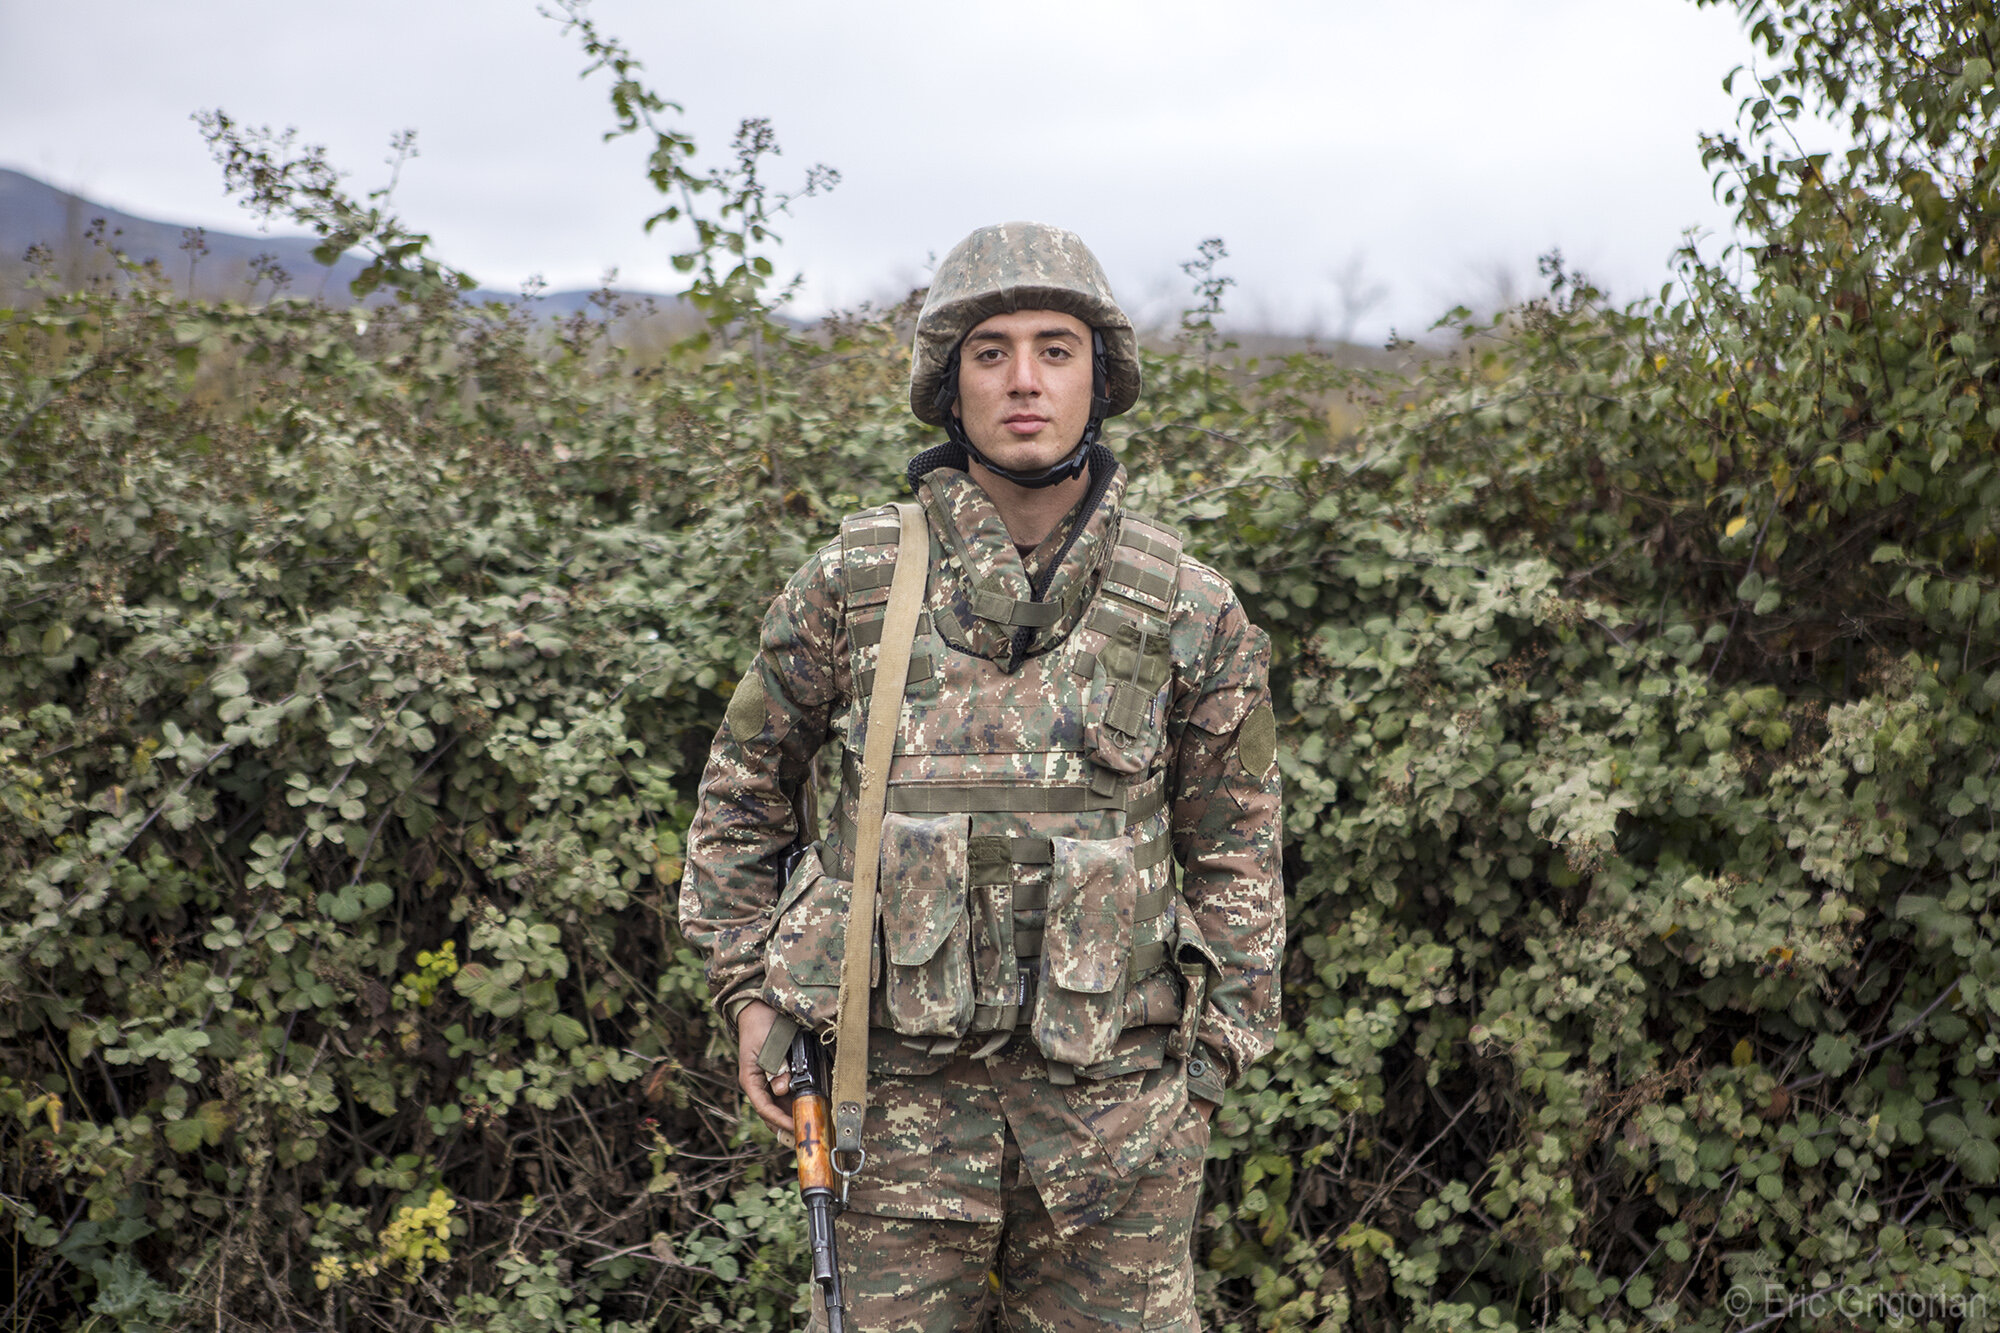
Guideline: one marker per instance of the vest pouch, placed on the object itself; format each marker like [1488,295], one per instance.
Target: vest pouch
[1086,949]
[1124,725]
[808,939]
[926,927]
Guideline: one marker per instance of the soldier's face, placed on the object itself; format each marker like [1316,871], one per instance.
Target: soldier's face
[1024,384]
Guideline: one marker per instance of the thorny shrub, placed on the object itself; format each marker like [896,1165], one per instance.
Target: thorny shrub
[1640,675]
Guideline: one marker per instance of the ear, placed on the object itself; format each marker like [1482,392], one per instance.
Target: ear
[954,408]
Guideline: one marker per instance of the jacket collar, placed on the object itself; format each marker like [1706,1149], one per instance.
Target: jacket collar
[984,581]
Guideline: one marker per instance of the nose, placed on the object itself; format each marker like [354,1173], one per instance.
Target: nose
[1023,375]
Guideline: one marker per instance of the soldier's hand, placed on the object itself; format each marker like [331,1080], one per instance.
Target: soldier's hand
[753,1025]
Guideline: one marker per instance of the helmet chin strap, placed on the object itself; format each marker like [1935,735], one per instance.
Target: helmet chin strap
[1071,465]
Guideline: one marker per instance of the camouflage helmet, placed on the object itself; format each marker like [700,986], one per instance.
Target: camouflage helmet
[1018,266]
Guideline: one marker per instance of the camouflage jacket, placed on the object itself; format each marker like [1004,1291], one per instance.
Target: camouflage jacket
[1051,784]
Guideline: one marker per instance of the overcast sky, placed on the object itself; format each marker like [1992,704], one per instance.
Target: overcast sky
[1434,144]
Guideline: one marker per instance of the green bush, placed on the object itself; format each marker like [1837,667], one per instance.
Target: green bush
[1641,677]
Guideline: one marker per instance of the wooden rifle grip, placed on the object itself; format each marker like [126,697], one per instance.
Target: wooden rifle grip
[814,1130]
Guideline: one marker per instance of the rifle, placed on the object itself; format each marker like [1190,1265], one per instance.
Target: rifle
[812,1124]
[812,1101]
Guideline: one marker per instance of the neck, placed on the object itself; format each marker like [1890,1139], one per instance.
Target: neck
[1030,514]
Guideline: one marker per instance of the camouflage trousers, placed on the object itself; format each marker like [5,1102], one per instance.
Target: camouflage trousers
[1132,1271]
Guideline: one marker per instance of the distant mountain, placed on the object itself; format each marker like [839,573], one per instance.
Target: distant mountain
[35,213]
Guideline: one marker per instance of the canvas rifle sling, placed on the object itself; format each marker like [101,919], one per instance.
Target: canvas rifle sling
[885,715]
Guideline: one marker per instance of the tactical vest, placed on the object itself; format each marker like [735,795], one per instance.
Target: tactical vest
[1027,872]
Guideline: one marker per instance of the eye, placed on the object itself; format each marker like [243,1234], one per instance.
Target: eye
[1059,352]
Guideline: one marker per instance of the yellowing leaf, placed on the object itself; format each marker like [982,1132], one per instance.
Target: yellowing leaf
[1735,526]
[1741,1055]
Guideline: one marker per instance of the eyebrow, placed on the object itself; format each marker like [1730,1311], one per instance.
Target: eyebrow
[993,335]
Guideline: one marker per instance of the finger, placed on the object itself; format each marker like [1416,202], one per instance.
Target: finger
[781,1082]
[758,1090]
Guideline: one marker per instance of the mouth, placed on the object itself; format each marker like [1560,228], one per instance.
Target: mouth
[1025,423]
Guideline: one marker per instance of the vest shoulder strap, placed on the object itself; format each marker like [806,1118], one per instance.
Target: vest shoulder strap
[863,535]
[868,545]
[1145,563]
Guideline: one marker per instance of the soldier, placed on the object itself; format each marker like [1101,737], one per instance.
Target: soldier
[1081,912]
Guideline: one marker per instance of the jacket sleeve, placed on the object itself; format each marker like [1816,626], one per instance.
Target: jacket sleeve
[1227,821]
[744,820]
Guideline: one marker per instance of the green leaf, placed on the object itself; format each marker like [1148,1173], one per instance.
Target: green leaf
[490,989]
[1980,1160]
[1947,1131]
[184,1136]
[214,1118]
[1832,1054]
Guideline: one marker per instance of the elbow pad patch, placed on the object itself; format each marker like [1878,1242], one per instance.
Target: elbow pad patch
[1257,742]
[747,709]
